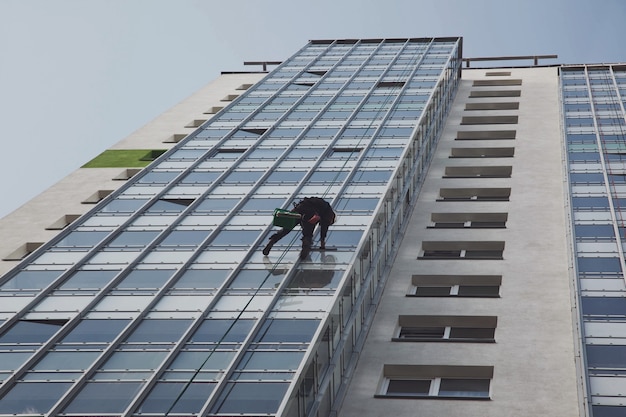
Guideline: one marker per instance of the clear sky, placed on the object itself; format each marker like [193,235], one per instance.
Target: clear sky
[77,76]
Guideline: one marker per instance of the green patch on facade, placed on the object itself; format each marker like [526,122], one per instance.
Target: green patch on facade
[124,158]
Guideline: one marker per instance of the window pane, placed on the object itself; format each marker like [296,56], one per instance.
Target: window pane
[222,330]
[279,360]
[606,356]
[202,360]
[104,397]
[10,361]
[422,332]
[31,280]
[82,239]
[464,387]
[256,278]
[249,397]
[235,237]
[460,333]
[218,204]
[202,278]
[135,360]
[32,398]
[67,360]
[88,279]
[155,330]
[289,330]
[177,397]
[479,290]
[432,291]
[185,238]
[123,206]
[133,238]
[322,278]
[95,331]
[31,331]
[408,387]
[146,278]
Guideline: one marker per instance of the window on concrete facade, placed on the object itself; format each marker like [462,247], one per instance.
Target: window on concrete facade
[445,329]
[455,286]
[468,220]
[436,381]
[462,250]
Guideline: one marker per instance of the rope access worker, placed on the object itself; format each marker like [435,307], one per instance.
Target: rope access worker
[312,210]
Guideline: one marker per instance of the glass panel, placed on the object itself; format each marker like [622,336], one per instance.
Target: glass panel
[170,205]
[213,330]
[32,397]
[104,397]
[31,280]
[82,239]
[235,237]
[349,204]
[135,360]
[31,331]
[604,306]
[133,238]
[422,332]
[249,397]
[200,177]
[606,356]
[461,333]
[257,278]
[279,360]
[88,279]
[177,397]
[123,206]
[146,278]
[287,330]
[202,360]
[159,330]
[74,360]
[10,361]
[202,278]
[432,291]
[263,204]
[408,387]
[185,238]
[285,176]
[217,204]
[464,387]
[322,278]
[343,238]
[89,331]
[479,290]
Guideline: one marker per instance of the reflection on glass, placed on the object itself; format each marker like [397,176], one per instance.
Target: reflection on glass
[33,397]
[316,278]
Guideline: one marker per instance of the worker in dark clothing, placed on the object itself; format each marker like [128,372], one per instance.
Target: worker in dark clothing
[312,210]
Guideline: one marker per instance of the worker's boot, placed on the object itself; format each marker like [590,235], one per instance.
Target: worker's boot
[306,248]
[268,247]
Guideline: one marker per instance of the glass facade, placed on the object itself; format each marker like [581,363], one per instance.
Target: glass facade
[160,302]
[593,99]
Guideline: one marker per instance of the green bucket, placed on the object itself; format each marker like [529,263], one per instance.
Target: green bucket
[285,218]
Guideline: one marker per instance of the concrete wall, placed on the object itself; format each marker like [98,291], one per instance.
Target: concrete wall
[533,357]
[29,222]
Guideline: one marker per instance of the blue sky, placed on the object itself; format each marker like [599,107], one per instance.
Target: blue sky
[77,76]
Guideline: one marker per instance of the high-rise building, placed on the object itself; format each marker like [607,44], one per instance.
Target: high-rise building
[474,269]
